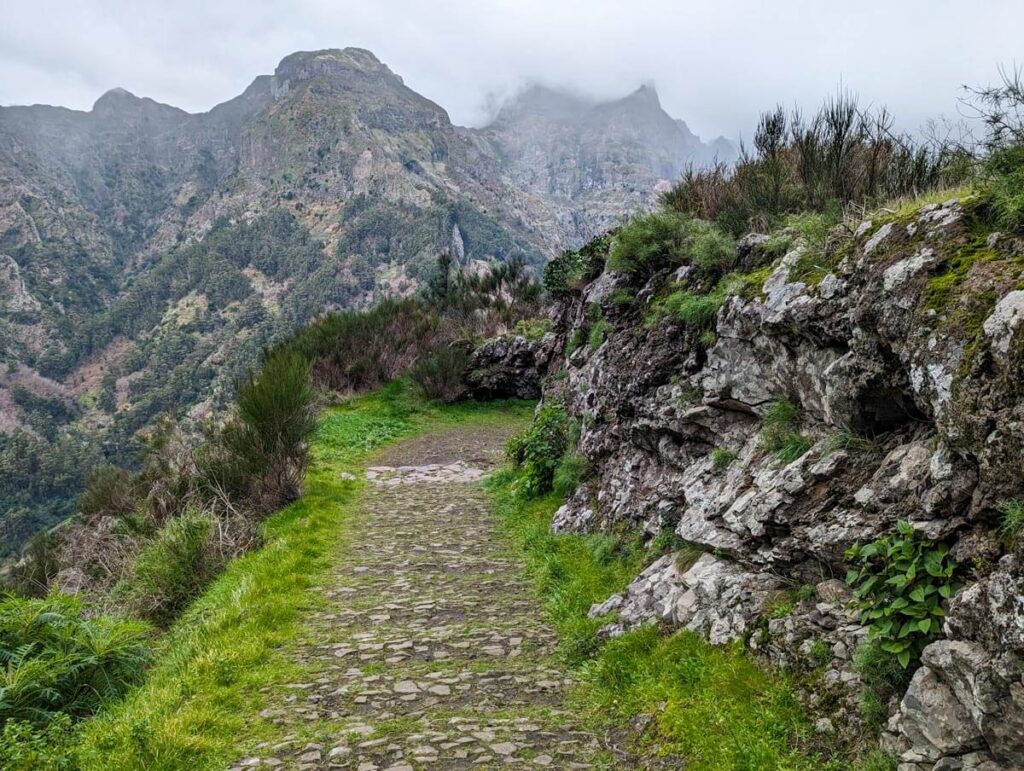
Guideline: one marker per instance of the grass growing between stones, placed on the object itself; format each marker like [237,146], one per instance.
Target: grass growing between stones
[199,706]
[710,707]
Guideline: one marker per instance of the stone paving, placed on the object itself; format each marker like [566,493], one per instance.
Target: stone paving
[433,653]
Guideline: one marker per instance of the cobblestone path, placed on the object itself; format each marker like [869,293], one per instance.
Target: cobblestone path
[433,653]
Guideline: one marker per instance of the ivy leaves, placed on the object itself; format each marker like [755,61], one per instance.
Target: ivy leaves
[900,582]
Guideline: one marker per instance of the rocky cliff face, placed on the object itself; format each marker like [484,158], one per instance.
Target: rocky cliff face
[899,348]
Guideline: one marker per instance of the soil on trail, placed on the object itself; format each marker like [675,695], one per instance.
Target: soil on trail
[433,652]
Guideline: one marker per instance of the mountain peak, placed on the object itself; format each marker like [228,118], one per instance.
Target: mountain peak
[115,97]
[646,94]
[305,65]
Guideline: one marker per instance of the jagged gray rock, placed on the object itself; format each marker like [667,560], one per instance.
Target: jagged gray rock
[927,373]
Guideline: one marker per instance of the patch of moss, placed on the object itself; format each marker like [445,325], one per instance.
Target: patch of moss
[943,287]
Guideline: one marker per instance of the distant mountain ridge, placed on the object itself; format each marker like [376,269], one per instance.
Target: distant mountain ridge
[148,253]
[595,160]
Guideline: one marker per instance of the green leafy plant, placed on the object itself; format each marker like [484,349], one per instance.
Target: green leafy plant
[900,582]
[28,747]
[598,333]
[538,451]
[697,311]
[573,342]
[649,242]
[56,659]
[532,329]
[571,270]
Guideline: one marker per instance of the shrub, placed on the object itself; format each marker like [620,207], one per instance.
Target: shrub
[571,270]
[361,350]
[261,455]
[573,342]
[780,434]
[649,242]
[1005,186]
[621,298]
[899,584]
[533,329]
[440,375]
[842,155]
[712,250]
[538,451]
[109,491]
[598,333]
[172,570]
[55,659]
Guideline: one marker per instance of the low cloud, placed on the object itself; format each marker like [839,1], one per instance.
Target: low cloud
[716,65]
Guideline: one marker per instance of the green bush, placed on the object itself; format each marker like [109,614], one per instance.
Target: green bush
[899,584]
[109,491]
[573,342]
[649,242]
[843,154]
[1005,186]
[532,329]
[441,375]
[711,249]
[780,432]
[260,455]
[538,451]
[172,570]
[56,659]
[598,332]
[571,270]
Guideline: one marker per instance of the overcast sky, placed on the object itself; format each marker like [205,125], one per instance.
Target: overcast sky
[716,63]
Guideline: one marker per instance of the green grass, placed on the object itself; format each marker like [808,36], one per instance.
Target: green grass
[713,706]
[199,706]
[1011,520]
[780,433]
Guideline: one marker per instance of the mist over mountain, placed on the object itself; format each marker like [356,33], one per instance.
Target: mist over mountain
[148,254]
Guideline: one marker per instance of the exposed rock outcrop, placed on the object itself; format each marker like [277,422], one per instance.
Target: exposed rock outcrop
[508,367]
[899,342]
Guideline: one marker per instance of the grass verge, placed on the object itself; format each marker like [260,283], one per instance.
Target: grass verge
[711,707]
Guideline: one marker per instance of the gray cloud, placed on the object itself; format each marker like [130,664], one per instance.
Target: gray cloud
[716,65]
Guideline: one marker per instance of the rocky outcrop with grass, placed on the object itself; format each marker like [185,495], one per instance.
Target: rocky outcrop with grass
[827,426]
